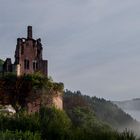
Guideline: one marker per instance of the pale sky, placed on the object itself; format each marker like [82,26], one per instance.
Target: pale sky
[91,45]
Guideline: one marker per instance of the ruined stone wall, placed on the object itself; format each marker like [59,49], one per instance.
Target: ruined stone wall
[29,55]
[33,106]
[27,51]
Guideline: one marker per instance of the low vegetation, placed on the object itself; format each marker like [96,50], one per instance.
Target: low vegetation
[53,124]
[35,81]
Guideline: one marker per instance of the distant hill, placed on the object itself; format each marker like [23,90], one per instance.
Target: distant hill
[133,104]
[104,110]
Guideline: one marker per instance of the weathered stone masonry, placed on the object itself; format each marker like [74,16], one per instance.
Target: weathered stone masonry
[28,57]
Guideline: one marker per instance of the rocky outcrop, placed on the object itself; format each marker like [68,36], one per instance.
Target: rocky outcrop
[54,98]
[21,94]
[58,101]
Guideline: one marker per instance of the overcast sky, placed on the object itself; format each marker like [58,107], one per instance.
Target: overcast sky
[91,45]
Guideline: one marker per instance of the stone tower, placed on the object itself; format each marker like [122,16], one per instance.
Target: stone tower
[28,55]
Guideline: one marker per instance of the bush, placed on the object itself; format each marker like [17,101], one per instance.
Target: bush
[19,135]
[55,124]
[126,135]
[20,122]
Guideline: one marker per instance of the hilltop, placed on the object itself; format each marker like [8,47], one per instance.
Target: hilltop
[30,92]
[105,111]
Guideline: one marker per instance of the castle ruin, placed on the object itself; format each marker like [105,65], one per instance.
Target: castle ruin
[28,60]
[28,57]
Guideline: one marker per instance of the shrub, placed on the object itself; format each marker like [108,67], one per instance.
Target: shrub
[55,124]
[19,135]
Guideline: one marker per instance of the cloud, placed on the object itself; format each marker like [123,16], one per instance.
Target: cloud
[91,45]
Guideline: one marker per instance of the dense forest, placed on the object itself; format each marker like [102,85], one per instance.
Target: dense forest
[53,124]
[76,123]
[83,118]
[104,110]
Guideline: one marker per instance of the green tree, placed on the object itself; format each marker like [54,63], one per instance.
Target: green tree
[55,124]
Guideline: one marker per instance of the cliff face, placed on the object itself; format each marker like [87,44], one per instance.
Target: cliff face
[58,101]
[31,94]
[33,103]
